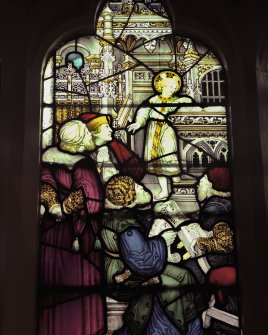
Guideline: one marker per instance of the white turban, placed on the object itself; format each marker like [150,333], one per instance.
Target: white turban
[73,132]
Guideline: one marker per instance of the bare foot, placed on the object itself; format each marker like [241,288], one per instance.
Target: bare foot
[160,196]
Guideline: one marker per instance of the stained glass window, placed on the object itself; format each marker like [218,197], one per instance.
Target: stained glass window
[137,234]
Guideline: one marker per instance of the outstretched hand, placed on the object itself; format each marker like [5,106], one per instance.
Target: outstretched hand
[133,127]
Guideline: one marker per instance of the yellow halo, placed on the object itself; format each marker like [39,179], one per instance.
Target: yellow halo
[161,76]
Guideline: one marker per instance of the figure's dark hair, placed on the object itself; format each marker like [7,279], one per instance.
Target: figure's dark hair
[120,190]
[220,178]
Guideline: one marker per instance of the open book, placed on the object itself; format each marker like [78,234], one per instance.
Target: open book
[189,233]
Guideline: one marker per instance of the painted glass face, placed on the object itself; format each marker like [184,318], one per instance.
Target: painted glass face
[169,87]
[129,228]
[203,188]
[105,132]
[143,197]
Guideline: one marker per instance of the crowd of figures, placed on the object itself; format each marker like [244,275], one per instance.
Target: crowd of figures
[105,232]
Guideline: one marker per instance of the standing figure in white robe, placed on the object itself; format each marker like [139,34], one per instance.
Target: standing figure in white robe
[161,145]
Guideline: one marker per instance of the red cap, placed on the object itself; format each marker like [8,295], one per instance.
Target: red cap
[220,178]
[93,120]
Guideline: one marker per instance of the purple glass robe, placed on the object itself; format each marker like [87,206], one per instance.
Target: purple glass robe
[70,301]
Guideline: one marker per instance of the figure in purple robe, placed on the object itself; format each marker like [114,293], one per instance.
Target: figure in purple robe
[70,265]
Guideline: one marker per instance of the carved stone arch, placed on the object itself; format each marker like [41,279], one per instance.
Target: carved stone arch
[218,150]
[215,67]
[199,146]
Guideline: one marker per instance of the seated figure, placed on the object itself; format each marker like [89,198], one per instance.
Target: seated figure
[169,216]
[214,195]
[169,303]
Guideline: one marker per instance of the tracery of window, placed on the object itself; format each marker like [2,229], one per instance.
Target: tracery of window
[136,200]
[213,87]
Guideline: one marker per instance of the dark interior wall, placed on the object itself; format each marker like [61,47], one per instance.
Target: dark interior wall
[237,30]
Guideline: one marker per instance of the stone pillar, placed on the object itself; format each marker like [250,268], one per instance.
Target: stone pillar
[107,15]
[107,86]
[128,62]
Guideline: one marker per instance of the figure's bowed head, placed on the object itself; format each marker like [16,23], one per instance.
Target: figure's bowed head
[123,191]
[216,181]
[75,137]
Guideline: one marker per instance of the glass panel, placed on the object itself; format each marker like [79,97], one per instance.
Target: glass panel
[48,91]
[49,69]
[47,138]
[216,89]
[136,197]
[47,117]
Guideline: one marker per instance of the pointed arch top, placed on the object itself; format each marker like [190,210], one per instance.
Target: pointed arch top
[158,98]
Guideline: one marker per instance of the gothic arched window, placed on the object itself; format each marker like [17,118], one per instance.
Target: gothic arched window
[136,198]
